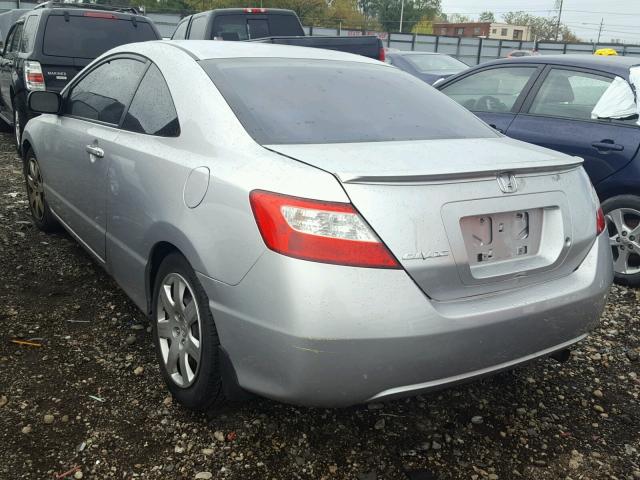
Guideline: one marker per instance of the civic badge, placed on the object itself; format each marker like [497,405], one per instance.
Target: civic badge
[507,182]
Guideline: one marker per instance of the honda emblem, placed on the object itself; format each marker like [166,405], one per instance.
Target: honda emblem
[507,182]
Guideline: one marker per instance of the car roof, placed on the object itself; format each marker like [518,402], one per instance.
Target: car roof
[615,65]
[211,49]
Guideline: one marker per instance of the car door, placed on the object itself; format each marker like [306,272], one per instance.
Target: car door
[138,174]
[557,115]
[495,93]
[9,57]
[81,142]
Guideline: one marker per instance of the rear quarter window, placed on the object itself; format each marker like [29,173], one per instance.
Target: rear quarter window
[29,33]
[198,28]
[90,37]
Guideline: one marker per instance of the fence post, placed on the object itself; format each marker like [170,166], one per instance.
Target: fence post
[479,52]
[437,43]
[413,42]
[499,49]
[564,48]
[388,39]
[339,28]
[311,31]
[458,48]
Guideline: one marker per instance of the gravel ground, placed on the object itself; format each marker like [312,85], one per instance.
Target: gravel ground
[90,396]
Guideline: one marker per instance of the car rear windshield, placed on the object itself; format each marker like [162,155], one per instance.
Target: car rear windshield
[296,101]
[90,37]
[435,63]
[239,26]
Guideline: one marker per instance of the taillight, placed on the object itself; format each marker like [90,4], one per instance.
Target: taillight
[327,232]
[34,78]
[601,223]
[381,54]
[255,10]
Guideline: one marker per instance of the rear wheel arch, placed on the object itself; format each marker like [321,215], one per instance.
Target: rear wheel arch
[159,252]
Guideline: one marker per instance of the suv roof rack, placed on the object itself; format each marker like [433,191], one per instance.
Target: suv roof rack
[91,6]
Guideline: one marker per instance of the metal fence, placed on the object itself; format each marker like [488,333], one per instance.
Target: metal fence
[472,50]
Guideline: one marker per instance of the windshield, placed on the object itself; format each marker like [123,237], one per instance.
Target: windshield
[293,101]
[435,63]
[90,37]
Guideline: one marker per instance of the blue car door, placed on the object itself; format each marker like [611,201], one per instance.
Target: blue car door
[557,115]
[495,93]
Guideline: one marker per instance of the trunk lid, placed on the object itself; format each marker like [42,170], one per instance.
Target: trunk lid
[470,216]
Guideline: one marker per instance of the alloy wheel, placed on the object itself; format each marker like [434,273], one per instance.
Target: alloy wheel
[624,238]
[179,329]
[35,190]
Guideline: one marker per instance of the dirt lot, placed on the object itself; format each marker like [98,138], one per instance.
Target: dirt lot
[91,396]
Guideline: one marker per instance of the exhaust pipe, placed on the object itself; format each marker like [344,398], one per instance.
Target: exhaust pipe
[562,355]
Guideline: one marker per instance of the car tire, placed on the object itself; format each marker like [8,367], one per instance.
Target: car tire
[38,205]
[19,121]
[185,336]
[623,222]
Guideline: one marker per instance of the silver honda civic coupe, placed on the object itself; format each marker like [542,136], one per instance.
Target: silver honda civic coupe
[312,226]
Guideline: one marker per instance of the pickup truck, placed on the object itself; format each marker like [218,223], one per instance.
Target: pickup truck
[269,25]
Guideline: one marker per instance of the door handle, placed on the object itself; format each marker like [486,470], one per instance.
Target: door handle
[607,145]
[95,152]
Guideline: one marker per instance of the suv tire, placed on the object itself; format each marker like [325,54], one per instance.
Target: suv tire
[38,205]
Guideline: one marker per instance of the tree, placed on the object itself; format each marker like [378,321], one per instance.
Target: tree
[487,16]
[388,13]
[541,28]
[458,18]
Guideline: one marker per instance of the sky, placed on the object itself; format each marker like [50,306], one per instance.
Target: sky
[621,18]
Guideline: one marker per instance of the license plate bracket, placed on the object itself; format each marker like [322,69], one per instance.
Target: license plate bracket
[501,236]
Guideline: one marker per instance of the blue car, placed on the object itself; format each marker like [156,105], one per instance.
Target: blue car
[580,105]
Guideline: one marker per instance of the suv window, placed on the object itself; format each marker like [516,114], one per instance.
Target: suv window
[152,110]
[14,42]
[198,27]
[104,92]
[91,36]
[494,90]
[570,94]
[181,31]
[29,33]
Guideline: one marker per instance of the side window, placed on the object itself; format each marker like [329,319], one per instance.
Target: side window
[104,93]
[570,94]
[29,34]
[15,39]
[152,110]
[494,90]
[181,31]
[198,28]
[10,37]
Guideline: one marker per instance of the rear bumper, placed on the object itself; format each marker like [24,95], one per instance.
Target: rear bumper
[326,335]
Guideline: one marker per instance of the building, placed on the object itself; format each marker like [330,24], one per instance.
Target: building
[469,29]
[498,31]
[505,31]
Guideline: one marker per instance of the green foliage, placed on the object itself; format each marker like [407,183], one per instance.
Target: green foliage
[487,16]
[388,13]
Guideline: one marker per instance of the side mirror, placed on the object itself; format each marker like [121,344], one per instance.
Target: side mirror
[44,102]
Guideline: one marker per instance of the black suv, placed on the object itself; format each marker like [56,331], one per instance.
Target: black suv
[49,45]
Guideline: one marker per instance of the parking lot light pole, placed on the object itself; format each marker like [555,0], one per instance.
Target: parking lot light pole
[401,14]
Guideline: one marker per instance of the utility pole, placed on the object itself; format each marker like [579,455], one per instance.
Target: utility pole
[401,14]
[600,30]
[559,17]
